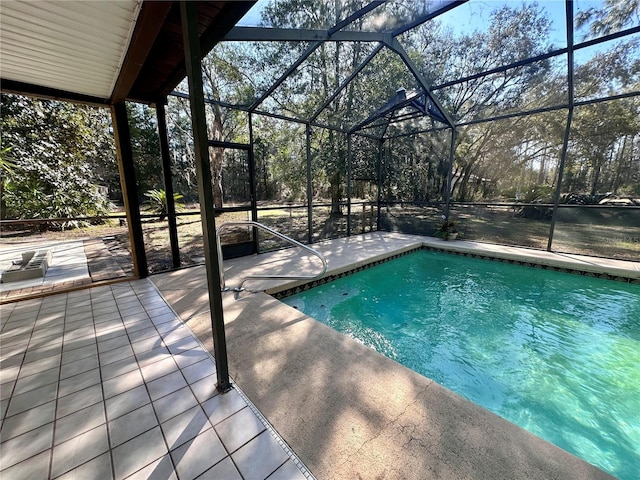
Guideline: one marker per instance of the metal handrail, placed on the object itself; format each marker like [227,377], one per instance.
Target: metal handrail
[267,277]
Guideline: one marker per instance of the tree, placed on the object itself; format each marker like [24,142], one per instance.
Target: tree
[280,152]
[181,147]
[514,33]
[597,150]
[7,166]
[601,157]
[491,157]
[145,147]
[55,147]
[321,74]
[223,80]
[613,17]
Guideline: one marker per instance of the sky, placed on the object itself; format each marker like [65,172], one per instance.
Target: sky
[475,14]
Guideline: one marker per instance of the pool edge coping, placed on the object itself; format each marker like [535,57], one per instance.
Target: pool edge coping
[559,262]
[257,308]
[516,258]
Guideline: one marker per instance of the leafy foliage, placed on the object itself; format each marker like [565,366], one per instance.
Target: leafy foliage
[447,228]
[492,160]
[583,199]
[536,194]
[54,147]
[613,16]
[145,146]
[157,202]
[7,162]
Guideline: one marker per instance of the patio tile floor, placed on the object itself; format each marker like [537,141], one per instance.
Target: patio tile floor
[108,383]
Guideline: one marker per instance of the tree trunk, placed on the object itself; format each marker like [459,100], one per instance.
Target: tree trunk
[264,180]
[616,180]
[216,156]
[462,197]
[596,175]
[3,209]
[542,173]
[454,183]
[335,189]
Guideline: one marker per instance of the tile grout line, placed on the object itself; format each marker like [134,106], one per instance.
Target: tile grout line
[283,444]
[22,362]
[228,453]
[11,397]
[277,468]
[202,347]
[111,449]
[276,436]
[64,349]
[155,413]
[95,338]
[24,355]
[107,419]
[104,400]
[139,369]
[55,410]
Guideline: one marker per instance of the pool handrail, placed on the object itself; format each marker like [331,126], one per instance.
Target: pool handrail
[266,277]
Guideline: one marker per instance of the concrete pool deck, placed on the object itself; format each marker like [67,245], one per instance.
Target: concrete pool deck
[347,411]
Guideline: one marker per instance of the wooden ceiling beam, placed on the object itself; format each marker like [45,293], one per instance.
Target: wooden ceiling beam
[150,21]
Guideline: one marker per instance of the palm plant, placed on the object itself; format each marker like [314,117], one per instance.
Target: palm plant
[157,202]
[447,229]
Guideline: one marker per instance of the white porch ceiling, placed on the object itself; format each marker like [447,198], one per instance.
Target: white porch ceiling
[74,46]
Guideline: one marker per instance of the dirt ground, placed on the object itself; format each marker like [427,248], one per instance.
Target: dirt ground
[611,233]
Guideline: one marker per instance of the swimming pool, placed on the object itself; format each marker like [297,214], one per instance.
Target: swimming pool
[554,353]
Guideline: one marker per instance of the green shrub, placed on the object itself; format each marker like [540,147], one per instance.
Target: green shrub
[157,202]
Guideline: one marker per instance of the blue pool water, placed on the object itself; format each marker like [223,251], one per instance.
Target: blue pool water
[557,354]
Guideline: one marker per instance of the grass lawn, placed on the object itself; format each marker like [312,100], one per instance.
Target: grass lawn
[606,233]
